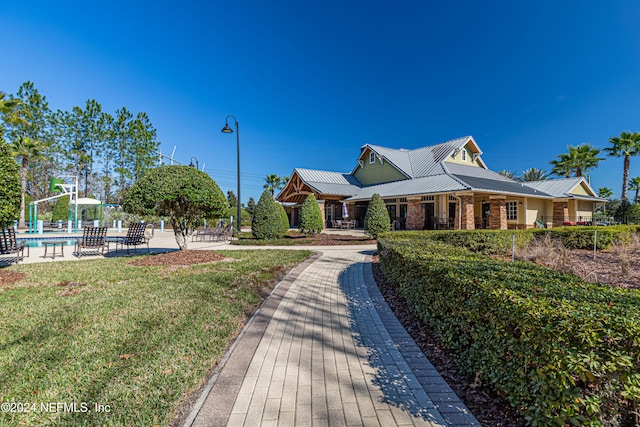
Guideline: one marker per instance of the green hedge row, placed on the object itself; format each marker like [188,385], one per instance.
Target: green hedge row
[562,351]
[493,242]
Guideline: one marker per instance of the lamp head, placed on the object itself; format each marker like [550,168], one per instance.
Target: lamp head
[226,128]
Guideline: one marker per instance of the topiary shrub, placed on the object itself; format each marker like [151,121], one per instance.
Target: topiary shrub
[284,218]
[310,216]
[267,222]
[377,220]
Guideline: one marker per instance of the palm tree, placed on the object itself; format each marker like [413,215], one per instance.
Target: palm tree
[585,157]
[509,174]
[534,174]
[273,183]
[634,185]
[626,145]
[605,192]
[562,166]
[580,159]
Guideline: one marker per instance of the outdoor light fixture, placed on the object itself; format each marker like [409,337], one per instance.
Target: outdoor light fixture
[227,129]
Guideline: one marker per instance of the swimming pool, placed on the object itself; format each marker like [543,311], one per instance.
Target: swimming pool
[36,242]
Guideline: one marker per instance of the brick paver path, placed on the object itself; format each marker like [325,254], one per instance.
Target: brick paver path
[329,353]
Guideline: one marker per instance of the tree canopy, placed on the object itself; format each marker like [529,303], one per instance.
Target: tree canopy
[625,146]
[182,193]
[10,187]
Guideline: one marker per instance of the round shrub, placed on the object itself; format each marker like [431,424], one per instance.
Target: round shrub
[377,220]
[310,216]
[267,222]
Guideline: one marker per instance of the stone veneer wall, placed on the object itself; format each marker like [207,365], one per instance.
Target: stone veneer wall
[468,217]
[498,217]
[415,215]
[560,213]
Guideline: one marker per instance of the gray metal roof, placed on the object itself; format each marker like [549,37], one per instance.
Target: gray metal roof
[500,186]
[556,187]
[312,175]
[424,161]
[425,185]
[428,173]
[325,182]
[476,172]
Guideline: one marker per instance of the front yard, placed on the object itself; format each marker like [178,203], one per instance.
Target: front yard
[122,341]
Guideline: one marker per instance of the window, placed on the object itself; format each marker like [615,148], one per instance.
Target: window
[464,155]
[372,157]
[512,211]
[428,198]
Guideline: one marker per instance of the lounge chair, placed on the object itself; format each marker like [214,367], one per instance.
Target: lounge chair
[9,245]
[213,234]
[135,236]
[92,238]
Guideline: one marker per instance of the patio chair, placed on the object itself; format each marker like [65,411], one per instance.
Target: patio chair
[9,245]
[135,236]
[92,238]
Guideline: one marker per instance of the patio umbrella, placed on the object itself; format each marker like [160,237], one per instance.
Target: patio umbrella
[345,212]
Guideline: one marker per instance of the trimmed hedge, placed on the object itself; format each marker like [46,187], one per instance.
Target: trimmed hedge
[563,351]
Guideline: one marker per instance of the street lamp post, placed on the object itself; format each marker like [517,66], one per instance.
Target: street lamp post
[227,129]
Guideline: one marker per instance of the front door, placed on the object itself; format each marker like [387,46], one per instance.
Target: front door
[486,212]
[429,213]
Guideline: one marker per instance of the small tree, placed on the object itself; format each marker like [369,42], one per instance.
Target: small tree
[310,216]
[9,188]
[284,219]
[251,206]
[377,220]
[183,194]
[61,209]
[267,223]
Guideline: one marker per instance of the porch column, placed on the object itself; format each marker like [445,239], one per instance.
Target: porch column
[498,217]
[415,215]
[560,213]
[468,218]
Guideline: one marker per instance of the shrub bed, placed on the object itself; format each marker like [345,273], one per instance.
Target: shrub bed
[561,350]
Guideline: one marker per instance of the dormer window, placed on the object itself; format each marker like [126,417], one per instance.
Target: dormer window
[372,158]
[464,155]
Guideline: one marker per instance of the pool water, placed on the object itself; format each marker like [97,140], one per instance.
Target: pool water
[37,243]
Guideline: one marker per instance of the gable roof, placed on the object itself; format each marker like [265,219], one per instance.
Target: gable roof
[325,182]
[562,188]
[420,162]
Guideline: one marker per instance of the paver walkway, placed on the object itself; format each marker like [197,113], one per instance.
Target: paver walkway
[326,350]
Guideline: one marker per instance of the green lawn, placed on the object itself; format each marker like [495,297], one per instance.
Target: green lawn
[135,340]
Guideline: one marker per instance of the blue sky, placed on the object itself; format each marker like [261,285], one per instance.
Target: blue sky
[312,81]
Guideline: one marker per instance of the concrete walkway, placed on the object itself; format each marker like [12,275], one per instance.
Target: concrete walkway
[326,350]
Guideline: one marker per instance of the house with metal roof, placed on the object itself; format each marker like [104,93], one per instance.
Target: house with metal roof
[446,185]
